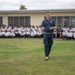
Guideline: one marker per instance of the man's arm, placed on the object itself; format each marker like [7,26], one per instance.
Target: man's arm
[54,26]
[42,26]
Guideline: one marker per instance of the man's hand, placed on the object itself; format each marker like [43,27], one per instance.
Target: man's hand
[42,28]
[52,28]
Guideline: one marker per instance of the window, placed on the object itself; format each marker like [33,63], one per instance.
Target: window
[10,20]
[16,21]
[0,21]
[73,21]
[27,20]
[54,18]
[60,21]
[66,21]
[19,20]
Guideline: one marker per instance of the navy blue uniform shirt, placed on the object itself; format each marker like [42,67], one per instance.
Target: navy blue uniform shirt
[47,24]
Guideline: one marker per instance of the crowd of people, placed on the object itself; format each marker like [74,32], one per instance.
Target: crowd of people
[20,31]
[67,32]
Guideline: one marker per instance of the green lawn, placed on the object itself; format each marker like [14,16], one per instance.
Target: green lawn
[26,57]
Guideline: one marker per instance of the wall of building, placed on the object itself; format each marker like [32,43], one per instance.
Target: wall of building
[35,18]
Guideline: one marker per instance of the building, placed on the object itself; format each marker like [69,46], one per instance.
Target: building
[62,17]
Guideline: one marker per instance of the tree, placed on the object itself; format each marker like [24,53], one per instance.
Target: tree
[23,7]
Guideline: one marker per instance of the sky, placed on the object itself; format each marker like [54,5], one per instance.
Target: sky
[37,4]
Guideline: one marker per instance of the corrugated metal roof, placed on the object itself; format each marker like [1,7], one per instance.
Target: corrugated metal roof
[36,11]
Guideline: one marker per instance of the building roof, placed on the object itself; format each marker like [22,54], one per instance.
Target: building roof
[36,11]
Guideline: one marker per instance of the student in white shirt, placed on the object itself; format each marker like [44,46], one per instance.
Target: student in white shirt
[28,28]
[74,32]
[70,32]
[3,30]
[38,31]
[0,32]
[21,31]
[8,31]
[15,30]
[65,32]
[33,32]
[12,31]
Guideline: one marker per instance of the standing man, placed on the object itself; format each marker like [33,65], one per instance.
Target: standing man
[47,26]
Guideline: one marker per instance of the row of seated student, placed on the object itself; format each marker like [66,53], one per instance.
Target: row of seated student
[20,31]
[35,31]
[67,32]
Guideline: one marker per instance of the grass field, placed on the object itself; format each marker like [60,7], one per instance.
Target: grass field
[26,57]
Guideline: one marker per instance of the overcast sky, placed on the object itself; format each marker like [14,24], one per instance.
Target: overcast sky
[37,4]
